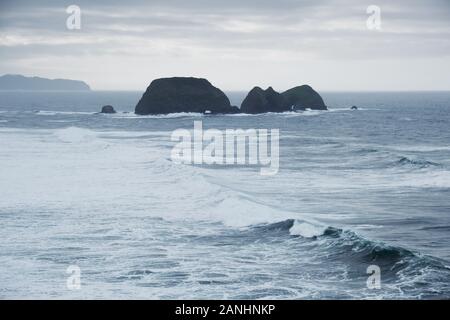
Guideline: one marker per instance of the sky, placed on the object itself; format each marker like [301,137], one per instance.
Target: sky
[236,44]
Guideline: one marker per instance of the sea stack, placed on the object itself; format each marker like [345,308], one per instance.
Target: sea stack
[108,109]
[304,97]
[179,94]
[261,101]
[298,98]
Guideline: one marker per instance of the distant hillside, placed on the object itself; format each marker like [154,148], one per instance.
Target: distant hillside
[19,82]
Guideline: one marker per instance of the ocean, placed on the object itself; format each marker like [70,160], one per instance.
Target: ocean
[99,193]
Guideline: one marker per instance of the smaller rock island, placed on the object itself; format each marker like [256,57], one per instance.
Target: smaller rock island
[108,109]
[261,101]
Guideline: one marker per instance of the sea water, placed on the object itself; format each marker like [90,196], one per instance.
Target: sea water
[354,189]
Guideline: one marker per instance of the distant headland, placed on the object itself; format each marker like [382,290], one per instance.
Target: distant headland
[20,82]
[180,94]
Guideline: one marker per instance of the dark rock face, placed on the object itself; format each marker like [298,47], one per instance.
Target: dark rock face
[171,95]
[302,97]
[235,109]
[298,98]
[261,101]
[108,109]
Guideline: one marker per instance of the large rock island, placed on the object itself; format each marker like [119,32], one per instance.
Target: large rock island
[172,95]
[19,82]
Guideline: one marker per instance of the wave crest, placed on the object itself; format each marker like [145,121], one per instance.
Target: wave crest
[405,161]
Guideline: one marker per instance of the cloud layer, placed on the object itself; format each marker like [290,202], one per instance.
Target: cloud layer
[236,44]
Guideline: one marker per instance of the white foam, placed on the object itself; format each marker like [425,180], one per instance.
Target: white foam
[339,109]
[237,211]
[367,226]
[79,167]
[425,179]
[61,121]
[54,113]
[284,114]
[130,115]
[241,115]
[134,134]
[82,135]
[75,135]
[306,229]
[420,148]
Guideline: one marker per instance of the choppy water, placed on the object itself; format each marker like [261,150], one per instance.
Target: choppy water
[355,188]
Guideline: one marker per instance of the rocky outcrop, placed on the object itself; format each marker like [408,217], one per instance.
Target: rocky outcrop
[261,101]
[179,94]
[298,98]
[304,97]
[108,109]
[172,95]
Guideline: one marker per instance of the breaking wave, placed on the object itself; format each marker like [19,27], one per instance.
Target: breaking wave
[407,162]
[400,266]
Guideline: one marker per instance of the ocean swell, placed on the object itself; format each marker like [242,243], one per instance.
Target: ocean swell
[397,263]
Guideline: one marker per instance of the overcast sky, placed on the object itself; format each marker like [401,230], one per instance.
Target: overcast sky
[236,44]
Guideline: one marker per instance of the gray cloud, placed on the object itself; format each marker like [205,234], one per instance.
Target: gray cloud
[241,34]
